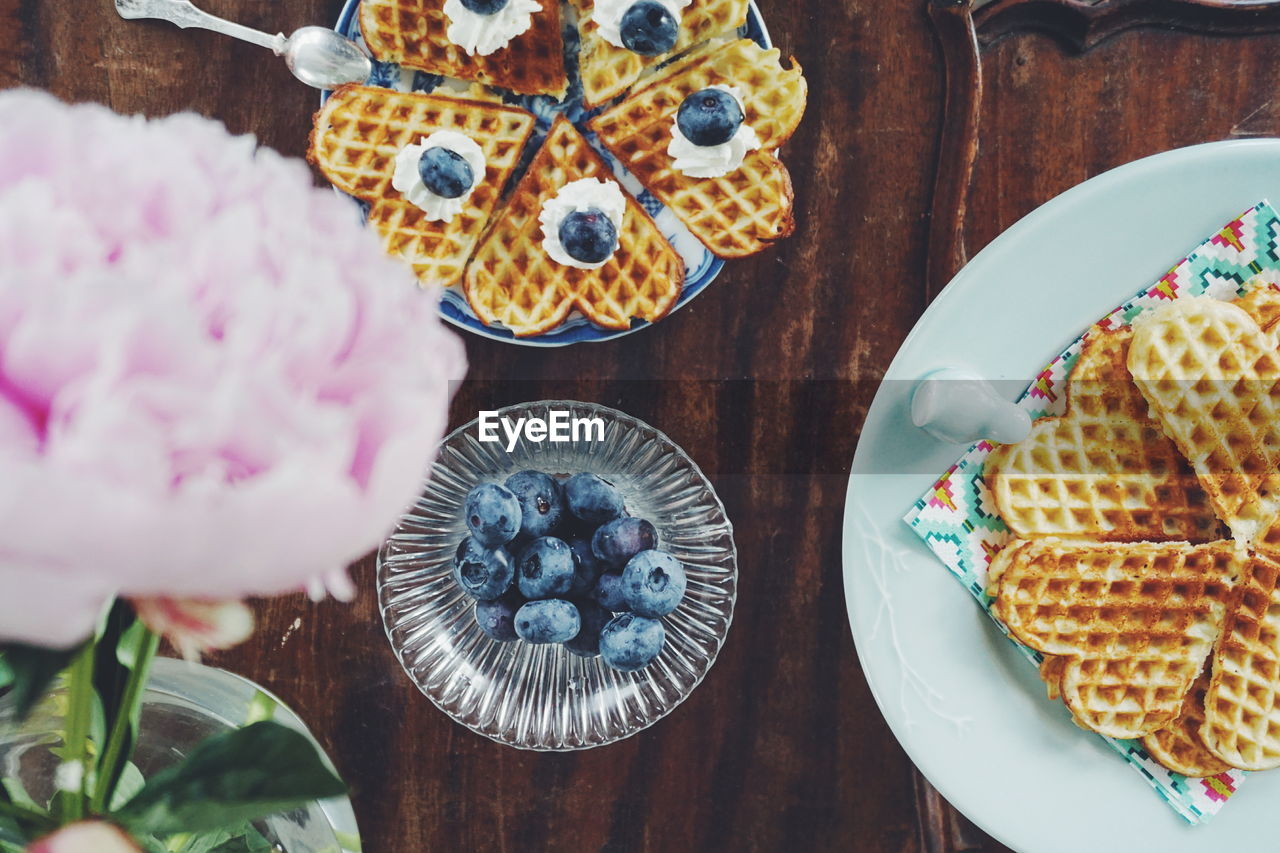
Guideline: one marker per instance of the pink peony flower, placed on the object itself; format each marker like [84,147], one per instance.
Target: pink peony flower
[195,627]
[213,383]
[86,837]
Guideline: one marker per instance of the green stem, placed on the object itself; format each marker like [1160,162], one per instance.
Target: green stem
[119,742]
[79,720]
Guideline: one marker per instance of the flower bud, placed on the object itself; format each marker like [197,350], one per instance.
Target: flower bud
[86,837]
[194,627]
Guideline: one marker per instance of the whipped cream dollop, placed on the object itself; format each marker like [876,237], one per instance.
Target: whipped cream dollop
[713,161]
[408,181]
[608,16]
[481,35]
[580,195]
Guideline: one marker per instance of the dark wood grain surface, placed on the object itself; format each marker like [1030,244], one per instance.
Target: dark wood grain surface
[764,380]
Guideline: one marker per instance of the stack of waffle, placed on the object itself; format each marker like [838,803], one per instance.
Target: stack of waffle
[1147,517]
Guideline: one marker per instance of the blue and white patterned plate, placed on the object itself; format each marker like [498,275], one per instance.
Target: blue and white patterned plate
[701,266]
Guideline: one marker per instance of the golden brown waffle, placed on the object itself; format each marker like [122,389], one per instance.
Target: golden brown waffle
[360,130]
[512,281]
[1051,669]
[608,70]
[1135,622]
[413,33]
[1242,720]
[1178,746]
[747,210]
[1212,377]
[1103,470]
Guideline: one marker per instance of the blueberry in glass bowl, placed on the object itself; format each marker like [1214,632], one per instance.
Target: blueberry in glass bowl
[561,694]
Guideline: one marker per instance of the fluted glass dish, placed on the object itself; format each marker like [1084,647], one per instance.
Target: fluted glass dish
[543,697]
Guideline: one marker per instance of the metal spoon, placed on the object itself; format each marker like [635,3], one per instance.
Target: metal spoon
[317,56]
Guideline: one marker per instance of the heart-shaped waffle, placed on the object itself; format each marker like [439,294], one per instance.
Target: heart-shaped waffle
[747,210]
[1133,623]
[358,134]
[608,70]
[1242,705]
[1103,470]
[512,281]
[414,33]
[1212,377]
[1179,746]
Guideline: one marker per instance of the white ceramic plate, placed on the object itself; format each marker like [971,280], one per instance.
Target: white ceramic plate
[966,707]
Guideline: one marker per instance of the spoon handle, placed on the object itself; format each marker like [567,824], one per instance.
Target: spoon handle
[182,13]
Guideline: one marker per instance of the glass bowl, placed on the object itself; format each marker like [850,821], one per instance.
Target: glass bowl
[542,697]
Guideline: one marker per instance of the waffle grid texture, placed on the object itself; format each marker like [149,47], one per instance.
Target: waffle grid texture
[1202,399]
[608,70]
[747,210]
[1212,377]
[360,130]
[1134,625]
[414,34]
[1242,720]
[512,281]
[1178,746]
[1104,470]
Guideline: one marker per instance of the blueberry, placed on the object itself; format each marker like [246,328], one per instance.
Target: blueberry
[551,621]
[546,569]
[541,502]
[497,618]
[709,117]
[445,172]
[484,573]
[648,28]
[621,539]
[493,515]
[631,642]
[593,500]
[653,583]
[588,235]
[594,617]
[485,7]
[586,568]
[608,593]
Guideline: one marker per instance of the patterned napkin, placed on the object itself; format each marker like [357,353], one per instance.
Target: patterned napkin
[957,517]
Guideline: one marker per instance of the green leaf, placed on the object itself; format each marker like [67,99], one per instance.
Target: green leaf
[32,822]
[110,672]
[131,782]
[248,841]
[127,663]
[16,794]
[244,838]
[33,670]
[237,776]
[11,833]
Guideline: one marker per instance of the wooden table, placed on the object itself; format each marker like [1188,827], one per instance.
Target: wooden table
[764,380]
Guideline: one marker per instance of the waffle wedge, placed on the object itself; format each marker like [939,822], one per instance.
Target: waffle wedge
[747,210]
[1133,622]
[360,130]
[512,281]
[1103,470]
[414,33]
[1212,378]
[1242,706]
[608,70]
[1178,746]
